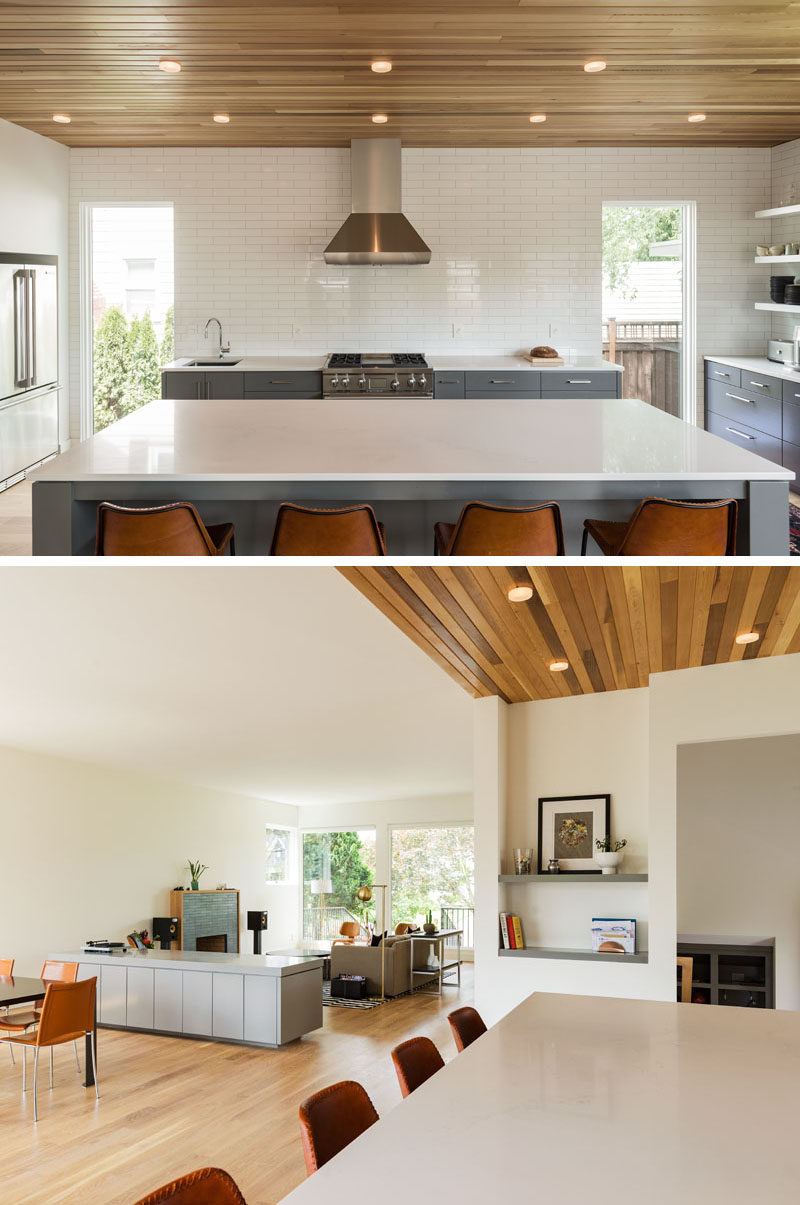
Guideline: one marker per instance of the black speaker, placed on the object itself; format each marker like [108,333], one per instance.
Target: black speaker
[165,930]
[257,921]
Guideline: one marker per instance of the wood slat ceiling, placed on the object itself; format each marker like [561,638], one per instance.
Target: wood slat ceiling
[466,72]
[615,626]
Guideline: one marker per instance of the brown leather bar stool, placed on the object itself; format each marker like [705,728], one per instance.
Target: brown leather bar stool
[207,1186]
[172,530]
[662,527]
[486,530]
[333,1118]
[467,1025]
[415,1061]
[349,531]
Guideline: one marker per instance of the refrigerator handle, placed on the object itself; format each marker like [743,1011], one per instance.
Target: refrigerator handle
[31,315]
[20,329]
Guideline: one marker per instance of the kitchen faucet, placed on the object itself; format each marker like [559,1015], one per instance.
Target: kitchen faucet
[223,350]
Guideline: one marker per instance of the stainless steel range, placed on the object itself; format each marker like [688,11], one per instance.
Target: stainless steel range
[394,374]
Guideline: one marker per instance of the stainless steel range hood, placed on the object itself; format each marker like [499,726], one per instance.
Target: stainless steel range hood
[376,231]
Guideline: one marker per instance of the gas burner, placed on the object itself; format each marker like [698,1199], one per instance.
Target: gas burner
[398,374]
[409,359]
[344,359]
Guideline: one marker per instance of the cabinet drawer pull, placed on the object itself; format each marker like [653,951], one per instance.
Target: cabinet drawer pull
[726,375]
[735,397]
[492,381]
[281,381]
[758,384]
[446,381]
[577,381]
[741,434]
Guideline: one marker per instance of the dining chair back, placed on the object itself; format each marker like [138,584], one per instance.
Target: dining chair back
[668,527]
[59,972]
[6,966]
[686,967]
[207,1186]
[467,1025]
[487,530]
[331,1119]
[415,1061]
[175,529]
[348,531]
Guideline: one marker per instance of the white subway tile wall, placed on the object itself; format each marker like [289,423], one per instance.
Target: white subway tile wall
[785,191]
[515,236]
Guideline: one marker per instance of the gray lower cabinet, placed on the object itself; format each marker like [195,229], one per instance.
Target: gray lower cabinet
[219,384]
[113,991]
[572,382]
[140,998]
[745,437]
[283,384]
[791,460]
[723,373]
[502,384]
[762,413]
[448,384]
[168,1001]
[196,1006]
[261,1008]
[754,411]
[227,1013]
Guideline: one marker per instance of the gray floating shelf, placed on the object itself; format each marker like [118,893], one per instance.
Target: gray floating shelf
[572,878]
[572,955]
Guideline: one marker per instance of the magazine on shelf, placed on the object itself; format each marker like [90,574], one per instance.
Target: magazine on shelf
[613,935]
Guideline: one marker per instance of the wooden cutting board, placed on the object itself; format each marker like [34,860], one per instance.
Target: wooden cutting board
[546,361]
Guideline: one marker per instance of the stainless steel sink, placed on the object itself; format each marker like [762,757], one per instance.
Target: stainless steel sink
[212,363]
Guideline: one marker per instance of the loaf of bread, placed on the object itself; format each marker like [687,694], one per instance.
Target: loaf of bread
[544,353]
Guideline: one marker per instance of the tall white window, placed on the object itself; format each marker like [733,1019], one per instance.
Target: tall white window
[279,855]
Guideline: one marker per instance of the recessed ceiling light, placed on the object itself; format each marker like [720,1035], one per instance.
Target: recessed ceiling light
[696,117]
[380,119]
[381,66]
[63,119]
[221,118]
[537,117]
[748,637]
[171,66]
[558,667]
[595,65]
[519,593]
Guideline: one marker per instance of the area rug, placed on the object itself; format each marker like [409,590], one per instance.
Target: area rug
[330,1001]
[794,530]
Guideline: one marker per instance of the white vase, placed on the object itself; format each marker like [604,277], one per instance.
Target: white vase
[609,861]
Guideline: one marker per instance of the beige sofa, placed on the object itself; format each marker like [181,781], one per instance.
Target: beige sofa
[365,960]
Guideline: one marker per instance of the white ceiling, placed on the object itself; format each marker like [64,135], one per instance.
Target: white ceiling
[274,681]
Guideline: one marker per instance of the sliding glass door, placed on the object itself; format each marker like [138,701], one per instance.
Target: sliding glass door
[433,868]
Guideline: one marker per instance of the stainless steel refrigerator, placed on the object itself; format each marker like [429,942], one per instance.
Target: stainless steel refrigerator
[29,384]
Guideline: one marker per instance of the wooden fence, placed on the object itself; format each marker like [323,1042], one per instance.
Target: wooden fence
[649,352]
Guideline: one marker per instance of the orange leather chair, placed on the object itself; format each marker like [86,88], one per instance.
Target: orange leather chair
[333,1118]
[6,967]
[349,531]
[661,527]
[349,930]
[208,1186]
[67,1014]
[172,530]
[18,1022]
[467,1025]
[402,929]
[415,1061]
[486,530]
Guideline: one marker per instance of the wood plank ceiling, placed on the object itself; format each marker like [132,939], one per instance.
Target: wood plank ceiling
[466,72]
[615,626]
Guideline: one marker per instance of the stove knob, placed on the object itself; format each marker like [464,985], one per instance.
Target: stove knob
[422,381]
[345,381]
[335,382]
[412,382]
[362,382]
[396,382]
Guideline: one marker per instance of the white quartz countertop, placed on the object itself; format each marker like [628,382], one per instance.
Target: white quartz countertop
[405,439]
[589,1099]
[235,964]
[315,363]
[768,368]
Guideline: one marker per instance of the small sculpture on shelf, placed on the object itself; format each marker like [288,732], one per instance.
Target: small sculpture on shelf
[609,854]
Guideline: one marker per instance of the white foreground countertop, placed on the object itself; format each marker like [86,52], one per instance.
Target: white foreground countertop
[315,363]
[405,439]
[276,965]
[587,1099]
[767,368]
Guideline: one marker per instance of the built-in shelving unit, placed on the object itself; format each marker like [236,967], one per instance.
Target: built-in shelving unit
[782,211]
[571,878]
[739,976]
[564,952]
[776,259]
[778,307]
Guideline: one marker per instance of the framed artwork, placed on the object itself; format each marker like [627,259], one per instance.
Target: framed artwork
[569,825]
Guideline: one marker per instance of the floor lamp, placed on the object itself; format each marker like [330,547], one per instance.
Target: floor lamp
[365,895]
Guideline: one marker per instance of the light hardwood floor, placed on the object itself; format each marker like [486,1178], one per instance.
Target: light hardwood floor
[169,1105]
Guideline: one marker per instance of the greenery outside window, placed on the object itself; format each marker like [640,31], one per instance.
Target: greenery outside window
[335,865]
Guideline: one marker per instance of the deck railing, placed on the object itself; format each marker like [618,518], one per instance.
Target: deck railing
[323,924]
[460,918]
[649,353]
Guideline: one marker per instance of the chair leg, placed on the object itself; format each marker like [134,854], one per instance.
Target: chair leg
[35,1081]
[233,546]
[94,1066]
[77,1061]
[584,541]
[24,1068]
[11,1052]
[51,1068]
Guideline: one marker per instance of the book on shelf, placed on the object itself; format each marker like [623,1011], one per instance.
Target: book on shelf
[511,936]
[504,941]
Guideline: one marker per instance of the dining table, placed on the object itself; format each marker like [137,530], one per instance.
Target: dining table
[20,989]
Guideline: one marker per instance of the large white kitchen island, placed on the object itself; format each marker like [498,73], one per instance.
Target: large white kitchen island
[416,460]
[258,999]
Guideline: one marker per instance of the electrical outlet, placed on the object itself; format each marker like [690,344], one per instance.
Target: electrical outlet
[457,330]
[296,330]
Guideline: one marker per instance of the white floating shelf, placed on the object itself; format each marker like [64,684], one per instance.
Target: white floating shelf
[570,955]
[778,307]
[777,259]
[572,878]
[781,212]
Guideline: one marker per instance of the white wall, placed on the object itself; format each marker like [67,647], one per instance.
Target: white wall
[91,852]
[34,205]
[383,816]
[515,235]
[591,744]
[738,823]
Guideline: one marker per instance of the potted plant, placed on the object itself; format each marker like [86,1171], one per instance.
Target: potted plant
[195,870]
[609,854]
[429,926]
